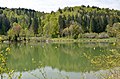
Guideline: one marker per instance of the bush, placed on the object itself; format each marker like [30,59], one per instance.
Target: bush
[90,35]
[103,35]
[113,30]
[118,35]
[80,35]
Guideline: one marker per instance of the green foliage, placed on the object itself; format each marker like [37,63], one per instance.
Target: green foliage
[73,31]
[113,30]
[3,60]
[1,38]
[5,52]
[26,18]
[50,26]
[90,35]
[103,35]
[108,61]
[4,24]
[16,28]
[89,19]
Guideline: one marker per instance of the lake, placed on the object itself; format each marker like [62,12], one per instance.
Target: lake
[61,60]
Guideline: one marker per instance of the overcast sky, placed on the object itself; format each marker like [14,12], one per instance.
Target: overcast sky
[49,5]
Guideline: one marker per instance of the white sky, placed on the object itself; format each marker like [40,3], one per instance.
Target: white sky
[49,5]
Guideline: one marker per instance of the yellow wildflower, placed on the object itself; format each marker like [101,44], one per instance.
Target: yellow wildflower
[7,49]
[114,44]
[1,38]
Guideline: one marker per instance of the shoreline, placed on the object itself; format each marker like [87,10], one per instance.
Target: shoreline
[63,40]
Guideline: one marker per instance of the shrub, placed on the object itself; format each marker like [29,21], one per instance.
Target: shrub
[80,35]
[103,35]
[90,35]
[113,30]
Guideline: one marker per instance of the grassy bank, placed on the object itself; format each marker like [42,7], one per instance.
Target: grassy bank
[81,40]
[61,40]
[84,40]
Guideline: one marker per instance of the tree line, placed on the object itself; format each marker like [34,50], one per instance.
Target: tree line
[70,21]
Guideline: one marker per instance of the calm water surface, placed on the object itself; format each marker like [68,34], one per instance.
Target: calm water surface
[59,61]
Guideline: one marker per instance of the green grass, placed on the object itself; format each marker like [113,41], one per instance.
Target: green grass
[84,40]
[68,40]
[97,40]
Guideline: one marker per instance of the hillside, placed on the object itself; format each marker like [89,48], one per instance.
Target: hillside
[70,21]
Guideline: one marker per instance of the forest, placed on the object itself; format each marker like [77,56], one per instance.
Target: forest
[79,42]
[74,22]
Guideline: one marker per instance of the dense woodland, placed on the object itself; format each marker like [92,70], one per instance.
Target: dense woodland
[70,21]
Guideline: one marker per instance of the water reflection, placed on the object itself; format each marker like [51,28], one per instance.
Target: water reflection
[50,73]
[58,60]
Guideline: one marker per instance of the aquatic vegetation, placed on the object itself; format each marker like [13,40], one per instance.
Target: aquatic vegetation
[3,61]
[4,53]
[108,61]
